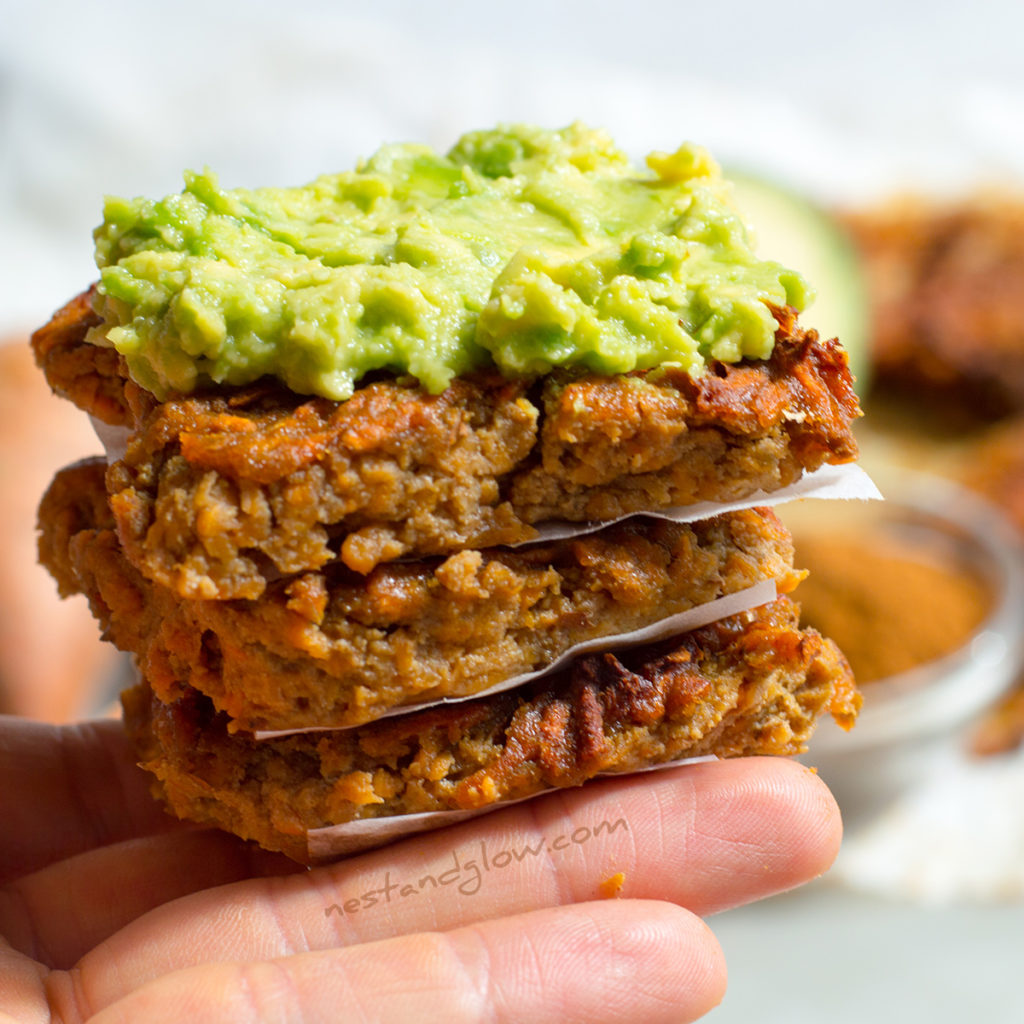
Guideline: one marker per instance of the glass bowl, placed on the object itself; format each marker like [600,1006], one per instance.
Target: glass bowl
[912,720]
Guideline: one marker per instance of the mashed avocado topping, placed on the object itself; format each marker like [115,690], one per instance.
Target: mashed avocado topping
[521,248]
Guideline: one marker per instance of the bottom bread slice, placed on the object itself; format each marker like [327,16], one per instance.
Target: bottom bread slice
[754,683]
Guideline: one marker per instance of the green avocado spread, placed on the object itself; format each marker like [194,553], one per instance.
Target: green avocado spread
[521,248]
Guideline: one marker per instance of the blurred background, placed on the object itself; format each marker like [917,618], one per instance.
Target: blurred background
[878,147]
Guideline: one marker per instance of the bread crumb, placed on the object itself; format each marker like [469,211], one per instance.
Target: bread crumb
[612,886]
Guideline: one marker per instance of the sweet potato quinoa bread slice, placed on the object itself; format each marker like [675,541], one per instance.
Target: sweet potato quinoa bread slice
[335,648]
[222,491]
[751,684]
[946,279]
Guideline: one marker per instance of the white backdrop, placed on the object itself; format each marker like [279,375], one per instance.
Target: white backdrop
[843,100]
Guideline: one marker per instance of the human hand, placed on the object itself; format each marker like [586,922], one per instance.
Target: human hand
[113,912]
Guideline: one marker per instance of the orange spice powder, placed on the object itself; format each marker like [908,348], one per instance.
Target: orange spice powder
[887,606]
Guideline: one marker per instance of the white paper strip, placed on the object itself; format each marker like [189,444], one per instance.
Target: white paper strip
[682,622]
[353,836]
[114,439]
[845,482]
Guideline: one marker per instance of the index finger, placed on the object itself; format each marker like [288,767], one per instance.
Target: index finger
[706,837]
[68,789]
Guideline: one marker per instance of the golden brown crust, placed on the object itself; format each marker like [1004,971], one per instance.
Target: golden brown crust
[74,502]
[218,492]
[336,648]
[614,445]
[94,378]
[751,684]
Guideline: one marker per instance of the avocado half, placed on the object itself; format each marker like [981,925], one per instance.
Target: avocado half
[795,231]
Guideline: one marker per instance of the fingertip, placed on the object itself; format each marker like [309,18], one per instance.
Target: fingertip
[822,809]
[690,970]
[796,797]
[617,959]
[777,819]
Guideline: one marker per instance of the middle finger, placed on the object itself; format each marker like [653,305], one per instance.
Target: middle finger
[705,837]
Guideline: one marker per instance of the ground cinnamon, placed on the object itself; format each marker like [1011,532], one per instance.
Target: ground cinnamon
[889,606]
